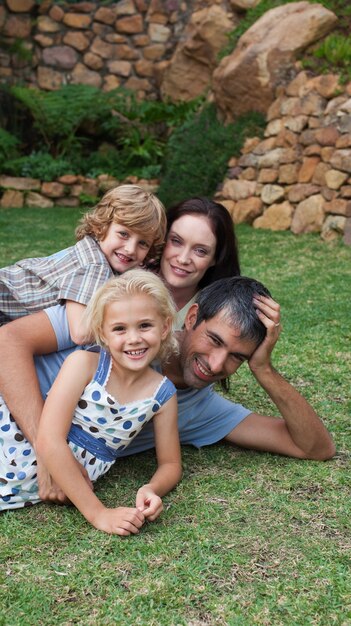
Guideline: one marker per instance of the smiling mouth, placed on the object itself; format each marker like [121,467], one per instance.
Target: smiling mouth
[180,271]
[139,352]
[123,258]
[203,372]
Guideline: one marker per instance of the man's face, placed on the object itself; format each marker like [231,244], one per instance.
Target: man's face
[212,351]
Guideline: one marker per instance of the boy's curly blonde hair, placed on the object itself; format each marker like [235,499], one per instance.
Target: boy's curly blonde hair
[135,282]
[131,206]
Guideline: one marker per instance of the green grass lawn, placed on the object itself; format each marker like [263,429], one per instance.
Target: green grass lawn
[246,538]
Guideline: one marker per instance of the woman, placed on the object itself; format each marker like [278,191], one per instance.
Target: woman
[200,248]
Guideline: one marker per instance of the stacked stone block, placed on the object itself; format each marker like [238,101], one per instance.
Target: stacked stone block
[299,176]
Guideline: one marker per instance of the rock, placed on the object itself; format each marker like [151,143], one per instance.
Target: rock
[238,189]
[76,40]
[299,192]
[47,25]
[335,179]
[333,227]
[338,206]
[21,184]
[246,210]
[34,199]
[288,173]
[77,20]
[267,175]
[347,232]
[243,5]
[276,217]
[265,54]
[130,25]
[17,26]
[121,68]
[12,199]
[341,160]
[53,190]
[82,76]
[190,70]
[272,193]
[307,169]
[62,57]
[20,6]
[49,79]
[309,215]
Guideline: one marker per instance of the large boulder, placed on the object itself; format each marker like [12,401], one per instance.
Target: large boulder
[189,72]
[265,55]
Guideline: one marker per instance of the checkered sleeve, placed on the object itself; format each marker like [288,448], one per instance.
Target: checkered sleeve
[81,285]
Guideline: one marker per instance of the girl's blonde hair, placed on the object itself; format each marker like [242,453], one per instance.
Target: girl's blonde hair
[131,206]
[132,283]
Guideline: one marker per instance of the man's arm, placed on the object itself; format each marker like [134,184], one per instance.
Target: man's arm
[19,385]
[300,433]
[20,340]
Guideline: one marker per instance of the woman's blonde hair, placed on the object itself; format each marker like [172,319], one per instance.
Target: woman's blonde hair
[132,283]
[131,206]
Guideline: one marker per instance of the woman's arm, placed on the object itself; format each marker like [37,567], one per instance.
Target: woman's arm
[52,447]
[169,470]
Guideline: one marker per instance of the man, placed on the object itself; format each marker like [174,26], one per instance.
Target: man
[234,320]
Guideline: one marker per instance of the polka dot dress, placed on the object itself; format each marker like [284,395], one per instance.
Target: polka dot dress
[101,428]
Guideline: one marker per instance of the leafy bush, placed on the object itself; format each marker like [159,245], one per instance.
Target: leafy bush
[69,126]
[198,151]
[39,165]
[8,146]
[334,51]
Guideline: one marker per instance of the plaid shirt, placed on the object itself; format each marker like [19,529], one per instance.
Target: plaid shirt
[34,284]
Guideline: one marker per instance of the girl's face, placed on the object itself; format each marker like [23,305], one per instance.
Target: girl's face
[133,331]
[124,248]
[189,251]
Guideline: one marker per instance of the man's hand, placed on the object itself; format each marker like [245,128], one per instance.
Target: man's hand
[268,312]
[49,491]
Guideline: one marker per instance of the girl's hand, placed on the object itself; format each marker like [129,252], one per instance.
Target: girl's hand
[121,521]
[149,503]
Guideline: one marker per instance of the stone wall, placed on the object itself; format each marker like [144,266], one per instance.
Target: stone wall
[126,43]
[299,176]
[68,190]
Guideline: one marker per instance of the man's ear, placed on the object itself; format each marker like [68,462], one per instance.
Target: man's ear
[191,316]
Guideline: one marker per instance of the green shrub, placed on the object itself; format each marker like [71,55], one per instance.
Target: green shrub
[334,51]
[198,151]
[73,122]
[39,165]
[8,146]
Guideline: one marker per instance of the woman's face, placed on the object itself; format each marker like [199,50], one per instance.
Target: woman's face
[189,251]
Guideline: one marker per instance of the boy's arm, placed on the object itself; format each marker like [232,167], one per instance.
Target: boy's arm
[169,470]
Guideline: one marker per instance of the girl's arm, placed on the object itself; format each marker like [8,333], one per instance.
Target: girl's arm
[169,470]
[52,447]
[77,326]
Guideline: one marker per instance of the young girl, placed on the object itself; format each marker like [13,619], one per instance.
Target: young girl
[98,404]
[117,235]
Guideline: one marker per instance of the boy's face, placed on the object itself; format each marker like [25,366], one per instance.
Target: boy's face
[124,248]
